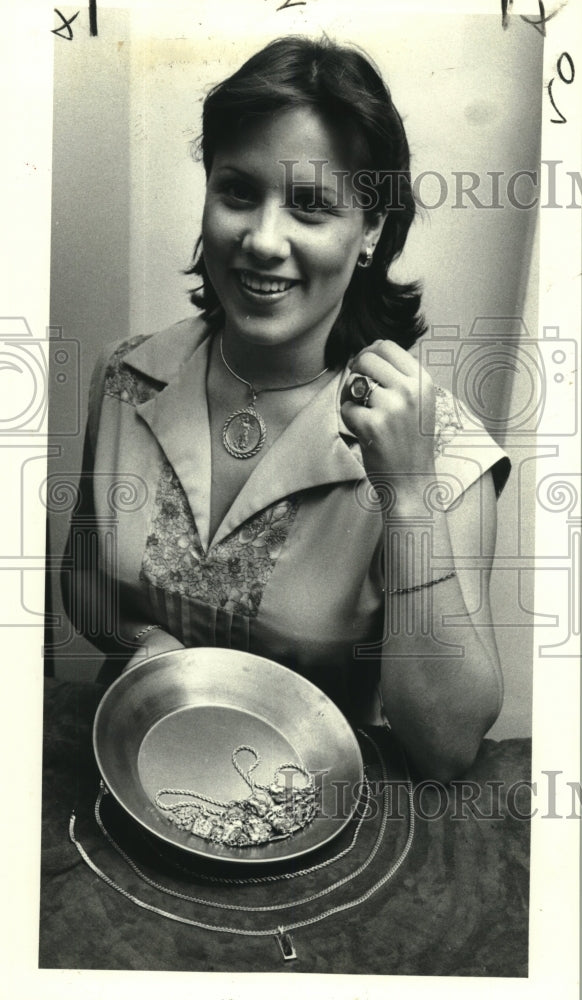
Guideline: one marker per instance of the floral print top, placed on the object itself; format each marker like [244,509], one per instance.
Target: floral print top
[231,575]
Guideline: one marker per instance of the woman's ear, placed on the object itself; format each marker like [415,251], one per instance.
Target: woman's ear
[373,227]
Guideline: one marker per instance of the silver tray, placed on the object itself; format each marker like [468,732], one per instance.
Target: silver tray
[175,719]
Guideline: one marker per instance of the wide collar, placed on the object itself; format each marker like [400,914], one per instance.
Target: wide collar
[316,449]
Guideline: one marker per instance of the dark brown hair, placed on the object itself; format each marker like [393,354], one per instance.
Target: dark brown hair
[342,85]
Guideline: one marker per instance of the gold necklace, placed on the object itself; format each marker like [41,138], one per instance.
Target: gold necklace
[244,431]
[270,812]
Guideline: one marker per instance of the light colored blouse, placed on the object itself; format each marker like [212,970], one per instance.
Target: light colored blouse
[295,569]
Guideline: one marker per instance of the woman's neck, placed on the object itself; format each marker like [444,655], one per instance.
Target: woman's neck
[273,364]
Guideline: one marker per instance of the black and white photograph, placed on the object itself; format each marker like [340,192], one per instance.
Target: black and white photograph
[290,440]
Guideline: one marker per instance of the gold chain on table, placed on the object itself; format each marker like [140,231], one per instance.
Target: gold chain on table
[249,880]
[262,879]
[234,906]
[281,930]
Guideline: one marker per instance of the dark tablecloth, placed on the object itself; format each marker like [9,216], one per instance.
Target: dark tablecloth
[458,905]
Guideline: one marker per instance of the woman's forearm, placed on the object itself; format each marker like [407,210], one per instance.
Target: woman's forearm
[105,617]
[441,685]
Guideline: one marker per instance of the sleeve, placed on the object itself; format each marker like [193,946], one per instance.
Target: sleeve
[89,592]
[464,449]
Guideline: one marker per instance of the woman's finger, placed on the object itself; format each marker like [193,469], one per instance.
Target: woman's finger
[360,420]
[397,356]
[392,353]
[381,371]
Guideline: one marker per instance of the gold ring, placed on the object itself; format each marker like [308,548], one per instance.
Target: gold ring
[361,388]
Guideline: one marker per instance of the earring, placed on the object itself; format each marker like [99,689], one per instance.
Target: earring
[367,259]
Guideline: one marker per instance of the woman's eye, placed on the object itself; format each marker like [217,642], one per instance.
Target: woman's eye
[308,203]
[238,192]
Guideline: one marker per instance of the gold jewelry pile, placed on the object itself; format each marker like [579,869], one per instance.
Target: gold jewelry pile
[271,812]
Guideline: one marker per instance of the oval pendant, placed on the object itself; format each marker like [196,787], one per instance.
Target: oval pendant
[244,433]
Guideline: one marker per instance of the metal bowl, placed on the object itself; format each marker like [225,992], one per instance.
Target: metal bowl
[174,720]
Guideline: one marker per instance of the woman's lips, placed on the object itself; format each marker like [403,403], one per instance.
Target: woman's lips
[264,286]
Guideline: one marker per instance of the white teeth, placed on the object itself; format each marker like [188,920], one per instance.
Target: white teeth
[264,285]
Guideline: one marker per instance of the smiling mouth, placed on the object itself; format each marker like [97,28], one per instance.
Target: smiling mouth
[261,285]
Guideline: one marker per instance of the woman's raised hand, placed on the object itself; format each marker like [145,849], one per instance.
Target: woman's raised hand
[395,427]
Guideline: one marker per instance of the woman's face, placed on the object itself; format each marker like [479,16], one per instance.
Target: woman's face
[281,242]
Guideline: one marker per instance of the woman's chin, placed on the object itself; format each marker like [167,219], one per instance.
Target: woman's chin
[259,334]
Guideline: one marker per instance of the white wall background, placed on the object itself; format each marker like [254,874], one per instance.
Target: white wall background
[127,202]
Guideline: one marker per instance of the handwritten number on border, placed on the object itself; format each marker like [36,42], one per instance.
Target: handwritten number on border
[565,79]
[539,25]
[93,18]
[65,26]
[67,22]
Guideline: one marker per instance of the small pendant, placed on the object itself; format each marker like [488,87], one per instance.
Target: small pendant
[285,942]
[244,433]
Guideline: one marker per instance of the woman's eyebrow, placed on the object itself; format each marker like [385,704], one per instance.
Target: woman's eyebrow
[311,187]
[230,168]
[297,186]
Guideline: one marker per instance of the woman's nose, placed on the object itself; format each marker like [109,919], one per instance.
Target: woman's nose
[266,236]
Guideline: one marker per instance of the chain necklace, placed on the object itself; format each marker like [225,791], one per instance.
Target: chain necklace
[280,933]
[244,431]
[360,811]
[270,812]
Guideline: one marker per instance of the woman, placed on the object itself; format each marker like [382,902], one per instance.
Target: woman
[256,429]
